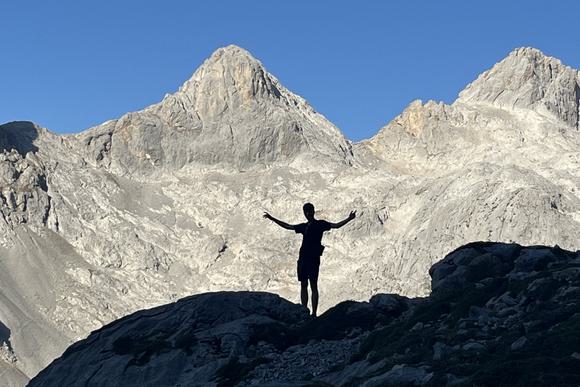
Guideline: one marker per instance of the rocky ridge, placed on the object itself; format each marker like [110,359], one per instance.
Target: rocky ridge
[167,202]
[499,314]
[526,98]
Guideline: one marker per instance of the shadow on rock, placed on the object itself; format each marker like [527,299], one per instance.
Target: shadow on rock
[19,135]
[5,336]
[499,315]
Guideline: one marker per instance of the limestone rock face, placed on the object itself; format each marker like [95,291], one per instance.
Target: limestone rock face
[24,196]
[168,201]
[424,133]
[231,111]
[24,190]
[528,79]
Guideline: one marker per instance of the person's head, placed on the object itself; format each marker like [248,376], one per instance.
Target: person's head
[308,209]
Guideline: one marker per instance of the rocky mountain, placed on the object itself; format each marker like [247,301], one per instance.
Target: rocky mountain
[527,79]
[167,202]
[499,315]
[230,111]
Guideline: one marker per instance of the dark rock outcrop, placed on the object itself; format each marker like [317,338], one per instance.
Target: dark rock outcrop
[499,314]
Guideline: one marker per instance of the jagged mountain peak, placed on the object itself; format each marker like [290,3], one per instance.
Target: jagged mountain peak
[230,111]
[229,78]
[233,50]
[530,52]
[529,79]
[231,55]
[533,60]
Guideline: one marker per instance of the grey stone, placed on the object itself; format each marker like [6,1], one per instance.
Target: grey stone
[441,351]
[401,374]
[533,260]
[474,346]
[357,370]
[481,315]
[519,343]
[508,300]
[388,303]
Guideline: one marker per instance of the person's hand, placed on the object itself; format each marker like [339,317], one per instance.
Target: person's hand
[352,215]
[267,216]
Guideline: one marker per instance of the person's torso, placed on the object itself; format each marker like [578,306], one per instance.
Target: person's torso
[312,237]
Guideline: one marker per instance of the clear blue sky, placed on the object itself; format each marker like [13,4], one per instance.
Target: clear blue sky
[69,65]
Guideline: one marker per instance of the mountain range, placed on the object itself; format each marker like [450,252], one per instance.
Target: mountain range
[167,201]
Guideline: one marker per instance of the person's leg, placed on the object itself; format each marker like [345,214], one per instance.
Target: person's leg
[304,292]
[314,288]
[303,278]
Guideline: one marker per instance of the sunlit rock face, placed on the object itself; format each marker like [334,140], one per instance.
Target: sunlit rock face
[528,79]
[168,201]
[231,111]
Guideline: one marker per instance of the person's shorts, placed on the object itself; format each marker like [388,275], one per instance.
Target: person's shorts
[308,269]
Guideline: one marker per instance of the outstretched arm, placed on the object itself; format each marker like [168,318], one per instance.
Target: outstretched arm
[278,222]
[342,223]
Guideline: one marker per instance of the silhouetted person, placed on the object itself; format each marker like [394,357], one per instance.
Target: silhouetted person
[311,249]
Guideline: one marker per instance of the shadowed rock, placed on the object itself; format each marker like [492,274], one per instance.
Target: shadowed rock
[19,135]
[499,314]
